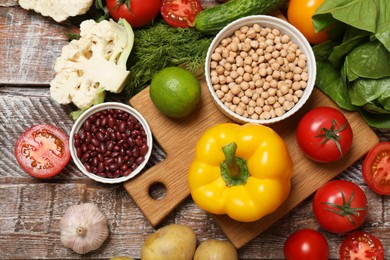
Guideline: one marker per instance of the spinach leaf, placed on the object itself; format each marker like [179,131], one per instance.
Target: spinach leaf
[361,14]
[369,60]
[352,38]
[330,82]
[384,99]
[376,120]
[364,90]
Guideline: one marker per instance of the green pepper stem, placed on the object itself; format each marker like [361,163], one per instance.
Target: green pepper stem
[234,170]
[229,151]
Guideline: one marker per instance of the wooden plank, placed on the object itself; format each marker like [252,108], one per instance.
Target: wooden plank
[23,235]
[179,145]
[29,46]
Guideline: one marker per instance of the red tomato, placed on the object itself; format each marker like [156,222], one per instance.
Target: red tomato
[340,206]
[299,13]
[42,150]
[180,13]
[324,134]
[376,168]
[140,13]
[306,244]
[363,246]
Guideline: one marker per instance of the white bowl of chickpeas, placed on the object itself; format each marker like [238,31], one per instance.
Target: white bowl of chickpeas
[260,69]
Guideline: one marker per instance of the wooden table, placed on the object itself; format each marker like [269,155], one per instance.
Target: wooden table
[30,209]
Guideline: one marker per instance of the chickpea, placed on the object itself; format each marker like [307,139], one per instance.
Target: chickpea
[216,56]
[235,90]
[239,111]
[258,72]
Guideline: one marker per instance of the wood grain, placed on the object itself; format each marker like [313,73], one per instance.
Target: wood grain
[179,137]
[30,209]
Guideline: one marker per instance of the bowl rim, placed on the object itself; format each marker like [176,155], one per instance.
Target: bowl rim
[273,22]
[103,106]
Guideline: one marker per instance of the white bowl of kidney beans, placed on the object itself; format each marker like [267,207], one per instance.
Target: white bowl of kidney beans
[260,69]
[111,142]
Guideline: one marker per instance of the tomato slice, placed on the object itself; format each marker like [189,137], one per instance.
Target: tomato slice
[180,13]
[42,150]
[376,168]
[361,245]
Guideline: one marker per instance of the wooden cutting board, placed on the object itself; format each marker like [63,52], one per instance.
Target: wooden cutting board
[179,137]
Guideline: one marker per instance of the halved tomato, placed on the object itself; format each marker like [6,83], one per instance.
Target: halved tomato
[376,168]
[180,13]
[361,245]
[42,150]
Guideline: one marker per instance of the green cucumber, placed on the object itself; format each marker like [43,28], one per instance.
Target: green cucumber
[212,20]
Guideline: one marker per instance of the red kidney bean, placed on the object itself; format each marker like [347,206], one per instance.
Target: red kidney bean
[144,150]
[111,143]
[100,157]
[95,141]
[91,147]
[124,167]
[127,172]
[100,136]
[103,123]
[139,160]
[84,147]
[103,147]
[100,167]
[79,152]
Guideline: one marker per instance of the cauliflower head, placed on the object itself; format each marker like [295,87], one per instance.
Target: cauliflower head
[93,64]
[59,10]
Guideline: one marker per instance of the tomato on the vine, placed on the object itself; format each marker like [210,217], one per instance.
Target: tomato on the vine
[363,246]
[137,13]
[299,14]
[42,150]
[306,244]
[340,206]
[180,13]
[376,168]
[324,134]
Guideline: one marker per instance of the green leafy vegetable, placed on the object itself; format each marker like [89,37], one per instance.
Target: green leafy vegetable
[159,46]
[354,69]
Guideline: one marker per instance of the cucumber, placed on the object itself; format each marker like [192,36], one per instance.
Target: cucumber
[212,20]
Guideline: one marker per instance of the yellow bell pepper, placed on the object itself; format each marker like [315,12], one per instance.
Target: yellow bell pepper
[243,171]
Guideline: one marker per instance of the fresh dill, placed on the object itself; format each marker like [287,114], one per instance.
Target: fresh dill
[159,46]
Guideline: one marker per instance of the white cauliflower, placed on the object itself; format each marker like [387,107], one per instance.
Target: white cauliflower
[59,10]
[93,64]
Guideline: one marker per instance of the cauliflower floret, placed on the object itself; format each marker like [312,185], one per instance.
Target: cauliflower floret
[59,10]
[93,64]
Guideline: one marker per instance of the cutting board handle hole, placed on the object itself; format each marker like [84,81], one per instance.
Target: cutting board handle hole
[157,191]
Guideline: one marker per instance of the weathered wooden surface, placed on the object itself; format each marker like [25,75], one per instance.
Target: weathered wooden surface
[30,209]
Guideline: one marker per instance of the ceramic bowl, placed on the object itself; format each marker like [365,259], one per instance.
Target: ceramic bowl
[112,106]
[284,28]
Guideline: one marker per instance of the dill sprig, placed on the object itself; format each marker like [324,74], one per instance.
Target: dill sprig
[161,45]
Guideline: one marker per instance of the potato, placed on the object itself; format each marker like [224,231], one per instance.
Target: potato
[214,249]
[174,241]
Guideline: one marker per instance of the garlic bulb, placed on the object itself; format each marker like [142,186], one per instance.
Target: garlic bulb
[83,228]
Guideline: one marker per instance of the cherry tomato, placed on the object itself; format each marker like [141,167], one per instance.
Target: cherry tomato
[324,134]
[140,13]
[42,150]
[180,13]
[299,13]
[363,246]
[376,168]
[306,244]
[340,206]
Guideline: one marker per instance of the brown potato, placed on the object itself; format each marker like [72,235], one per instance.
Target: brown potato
[214,249]
[173,241]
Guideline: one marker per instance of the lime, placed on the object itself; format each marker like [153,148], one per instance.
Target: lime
[175,91]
